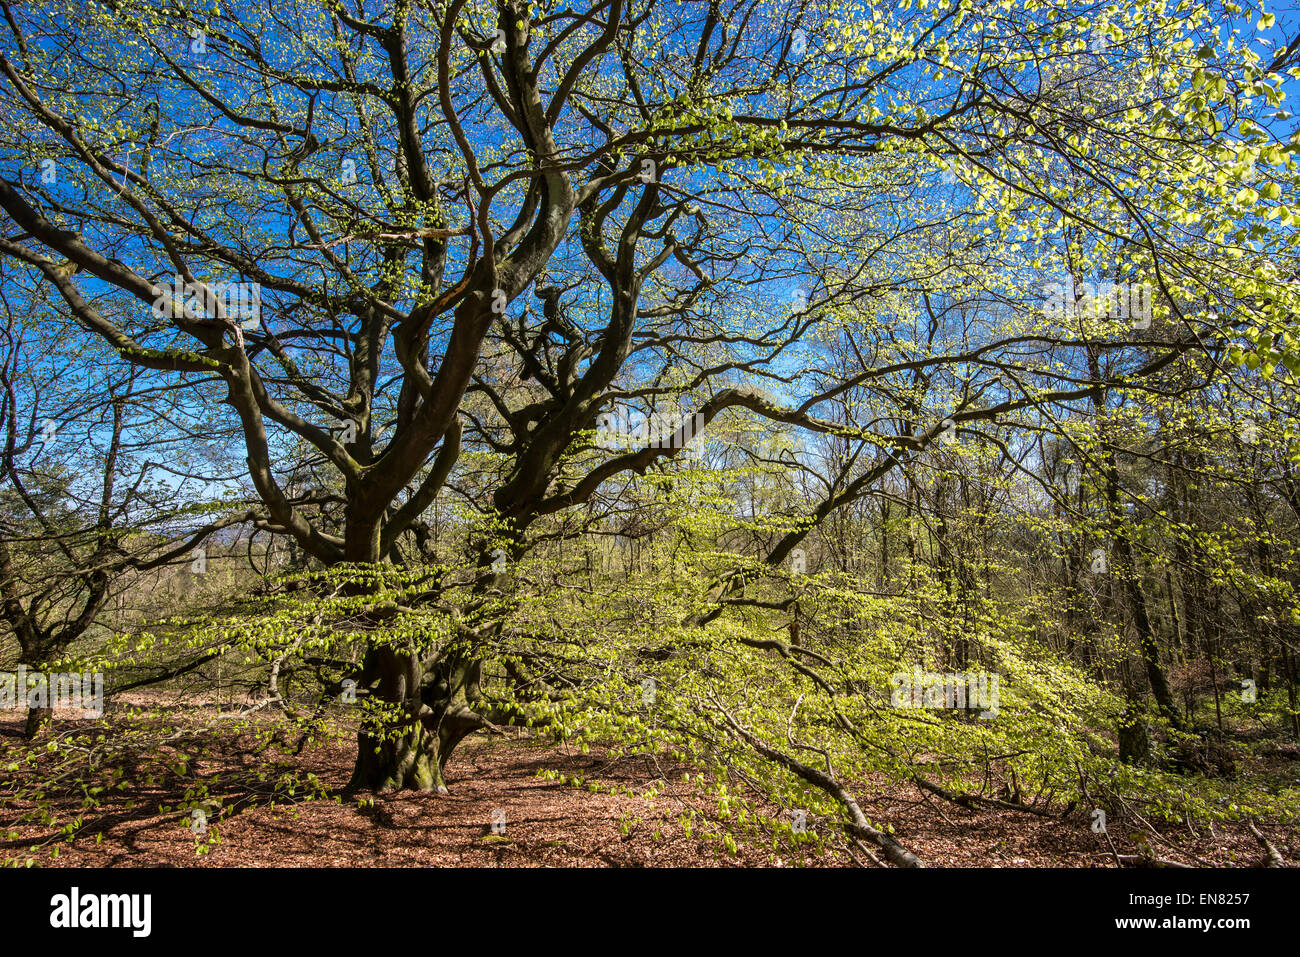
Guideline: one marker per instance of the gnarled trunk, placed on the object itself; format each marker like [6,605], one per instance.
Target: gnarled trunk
[428,711]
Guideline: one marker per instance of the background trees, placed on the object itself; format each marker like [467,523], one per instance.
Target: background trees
[99,491]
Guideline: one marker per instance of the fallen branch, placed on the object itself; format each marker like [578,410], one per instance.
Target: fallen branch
[969,801]
[857,825]
[1271,856]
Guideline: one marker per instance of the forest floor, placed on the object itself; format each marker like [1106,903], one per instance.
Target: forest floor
[635,817]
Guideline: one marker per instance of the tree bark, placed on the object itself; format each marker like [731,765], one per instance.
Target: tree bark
[429,712]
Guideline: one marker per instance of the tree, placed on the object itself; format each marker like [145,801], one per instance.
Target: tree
[86,508]
[692,192]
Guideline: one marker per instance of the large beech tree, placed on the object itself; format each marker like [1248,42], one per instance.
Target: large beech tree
[478,227]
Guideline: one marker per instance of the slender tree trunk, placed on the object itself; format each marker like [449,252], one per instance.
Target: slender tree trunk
[1290,669]
[1127,569]
[1147,642]
[884,544]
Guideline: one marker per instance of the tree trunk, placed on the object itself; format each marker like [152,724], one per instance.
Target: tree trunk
[1126,568]
[37,718]
[415,715]
[425,714]
[1134,735]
